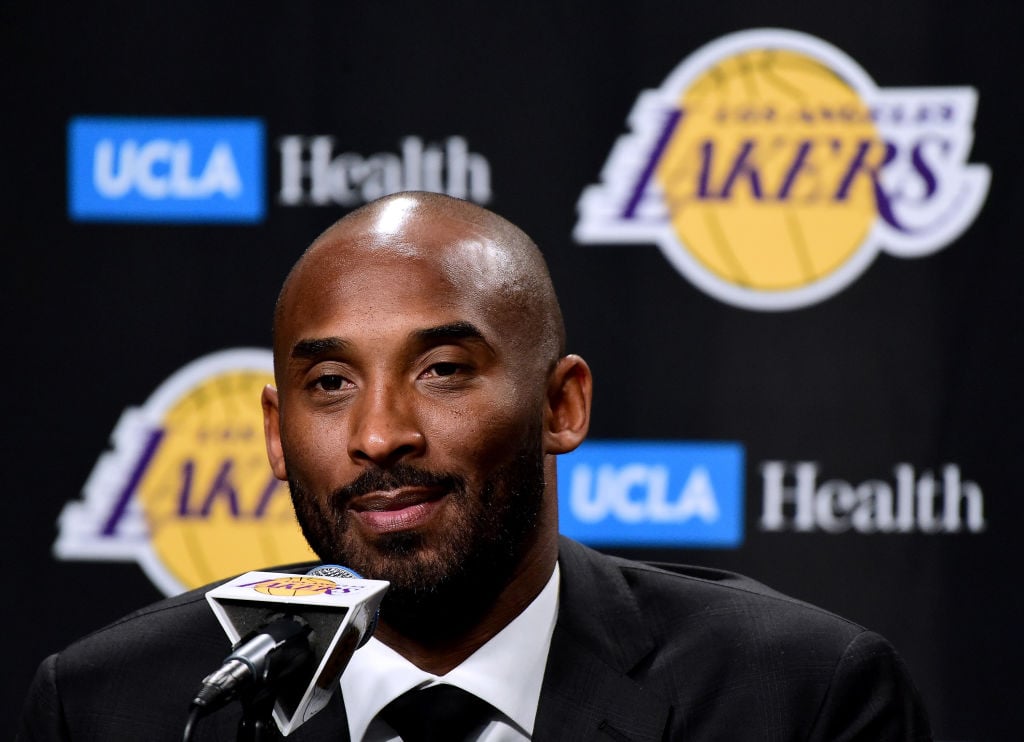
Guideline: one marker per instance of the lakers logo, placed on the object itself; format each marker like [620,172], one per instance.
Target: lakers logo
[187,491]
[770,170]
[298,587]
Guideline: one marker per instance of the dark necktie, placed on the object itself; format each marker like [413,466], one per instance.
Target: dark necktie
[440,713]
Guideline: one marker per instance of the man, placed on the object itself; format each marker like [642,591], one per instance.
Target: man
[423,394]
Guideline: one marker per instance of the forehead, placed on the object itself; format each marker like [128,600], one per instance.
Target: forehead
[424,272]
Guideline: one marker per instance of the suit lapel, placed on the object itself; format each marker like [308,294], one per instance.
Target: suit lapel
[598,641]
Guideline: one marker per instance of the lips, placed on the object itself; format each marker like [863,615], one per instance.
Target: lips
[401,510]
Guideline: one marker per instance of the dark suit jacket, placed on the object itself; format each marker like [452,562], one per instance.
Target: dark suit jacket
[638,653]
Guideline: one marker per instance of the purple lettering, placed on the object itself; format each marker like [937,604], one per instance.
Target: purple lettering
[185,495]
[707,149]
[671,121]
[272,488]
[741,167]
[858,165]
[799,163]
[222,488]
[922,167]
[125,496]
[253,584]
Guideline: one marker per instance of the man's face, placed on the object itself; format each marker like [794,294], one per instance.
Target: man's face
[410,428]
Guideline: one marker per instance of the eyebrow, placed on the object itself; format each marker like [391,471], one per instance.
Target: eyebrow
[316,347]
[450,331]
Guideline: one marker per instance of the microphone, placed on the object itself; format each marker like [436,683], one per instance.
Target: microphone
[292,636]
[265,656]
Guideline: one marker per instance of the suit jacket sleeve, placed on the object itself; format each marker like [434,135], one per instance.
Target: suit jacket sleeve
[42,719]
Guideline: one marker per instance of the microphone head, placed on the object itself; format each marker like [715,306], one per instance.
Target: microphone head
[334,570]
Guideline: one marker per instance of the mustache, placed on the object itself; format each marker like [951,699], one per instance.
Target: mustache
[397,477]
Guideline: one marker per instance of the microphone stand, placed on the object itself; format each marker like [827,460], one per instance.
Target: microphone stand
[257,722]
[291,655]
[255,673]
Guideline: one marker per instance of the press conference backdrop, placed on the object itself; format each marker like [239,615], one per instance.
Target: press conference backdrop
[786,237]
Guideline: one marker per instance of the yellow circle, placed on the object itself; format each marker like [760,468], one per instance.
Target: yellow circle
[211,503]
[296,586]
[769,174]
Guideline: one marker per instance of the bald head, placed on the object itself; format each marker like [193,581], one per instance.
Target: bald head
[471,248]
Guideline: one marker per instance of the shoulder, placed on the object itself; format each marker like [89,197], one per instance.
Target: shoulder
[731,600]
[129,678]
[677,598]
[710,642]
[164,626]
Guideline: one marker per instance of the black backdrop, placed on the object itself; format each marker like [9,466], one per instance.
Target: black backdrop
[917,361]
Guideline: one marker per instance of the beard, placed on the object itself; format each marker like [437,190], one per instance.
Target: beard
[444,580]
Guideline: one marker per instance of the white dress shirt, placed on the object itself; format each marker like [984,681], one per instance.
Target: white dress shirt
[507,672]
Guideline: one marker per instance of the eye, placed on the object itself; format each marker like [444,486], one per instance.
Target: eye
[449,376]
[330,382]
[444,369]
[447,373]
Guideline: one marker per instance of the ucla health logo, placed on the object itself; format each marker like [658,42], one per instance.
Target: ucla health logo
[771,170]
[165,170]
[633,493]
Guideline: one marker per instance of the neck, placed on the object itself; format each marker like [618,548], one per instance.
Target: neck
[439,642]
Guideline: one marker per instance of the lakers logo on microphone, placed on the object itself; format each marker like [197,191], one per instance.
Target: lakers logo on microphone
[298,587]
[187,491]
[771,170]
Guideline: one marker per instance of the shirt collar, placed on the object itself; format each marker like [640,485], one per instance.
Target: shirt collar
[507,671]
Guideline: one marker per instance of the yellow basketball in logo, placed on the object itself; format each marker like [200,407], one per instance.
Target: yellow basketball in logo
[210,501]
[296,586]
[768,175]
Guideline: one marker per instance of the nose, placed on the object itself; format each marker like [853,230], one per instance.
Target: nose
[385,429]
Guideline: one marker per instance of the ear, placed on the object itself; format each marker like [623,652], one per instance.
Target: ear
[272,431]
[567,412]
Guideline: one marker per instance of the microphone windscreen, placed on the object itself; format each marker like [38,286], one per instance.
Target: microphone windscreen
[334,570]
